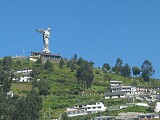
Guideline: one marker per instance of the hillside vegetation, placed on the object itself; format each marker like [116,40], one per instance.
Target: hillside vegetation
[57,86]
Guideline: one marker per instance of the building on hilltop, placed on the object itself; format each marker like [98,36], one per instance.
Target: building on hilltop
[44,57]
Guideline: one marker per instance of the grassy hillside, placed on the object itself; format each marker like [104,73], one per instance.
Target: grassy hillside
[65,91]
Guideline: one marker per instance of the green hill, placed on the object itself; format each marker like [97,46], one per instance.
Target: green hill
[63,88]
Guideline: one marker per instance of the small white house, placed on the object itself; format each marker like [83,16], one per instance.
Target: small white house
[26,71]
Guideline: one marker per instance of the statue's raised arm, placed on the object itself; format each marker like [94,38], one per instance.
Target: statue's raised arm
[40,30]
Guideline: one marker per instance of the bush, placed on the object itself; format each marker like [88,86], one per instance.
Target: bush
[76,92]
[64,117]
[60,80]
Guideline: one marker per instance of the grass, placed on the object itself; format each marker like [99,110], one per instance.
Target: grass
[21,88]
[63,94]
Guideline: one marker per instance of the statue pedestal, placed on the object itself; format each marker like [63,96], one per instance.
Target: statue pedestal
[47,51]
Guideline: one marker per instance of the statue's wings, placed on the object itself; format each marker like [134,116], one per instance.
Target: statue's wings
[40,30]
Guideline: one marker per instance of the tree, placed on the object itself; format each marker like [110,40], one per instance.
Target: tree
[7,62]
[80,61]
[106,67]
[64,116]
[39,61]
[75,56]
[69,63]
[136,71]
[18,63]
[118,66]
[34,104]
[85,74]
[91,63]
[125,71]
[147,70]
[74,59]
[73,67]
[48,66]
[5,80]
[43,87]
[61,63]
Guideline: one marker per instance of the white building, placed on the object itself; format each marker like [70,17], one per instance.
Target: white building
[98,107]
[118,90]
[85,109]
[22,79]
[26,71]
[24,75]
[157,108]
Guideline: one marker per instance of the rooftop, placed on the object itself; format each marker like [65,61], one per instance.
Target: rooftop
[114,81]
[114,93]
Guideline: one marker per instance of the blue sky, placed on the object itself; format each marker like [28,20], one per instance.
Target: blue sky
[97,30]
